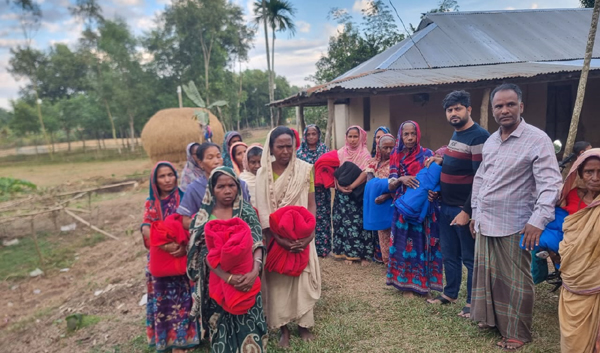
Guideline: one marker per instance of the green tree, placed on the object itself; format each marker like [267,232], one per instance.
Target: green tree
[24,118]
[277,15]
[587,3]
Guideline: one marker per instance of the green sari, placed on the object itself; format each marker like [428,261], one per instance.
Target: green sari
[227,333]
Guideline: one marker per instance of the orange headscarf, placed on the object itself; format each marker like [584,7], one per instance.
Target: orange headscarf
[237,168]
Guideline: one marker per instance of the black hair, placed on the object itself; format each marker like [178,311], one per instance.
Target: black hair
[215,177]
[203,147]
[580,146]
[457,97]
[168,165]
[353,128]
[254,151]
[507,87]
[278,131]
[580,168]
[233,151]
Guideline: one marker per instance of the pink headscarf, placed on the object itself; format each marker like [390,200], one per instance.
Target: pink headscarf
[359,155]
[237,168]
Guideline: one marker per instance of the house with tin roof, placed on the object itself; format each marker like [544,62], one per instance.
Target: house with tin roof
[540,50]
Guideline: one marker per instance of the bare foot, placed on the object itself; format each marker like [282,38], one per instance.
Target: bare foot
[348,262]
[364,263]
[284,339]
[305,334]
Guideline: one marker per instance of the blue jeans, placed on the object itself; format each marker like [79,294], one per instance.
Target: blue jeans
[458,248]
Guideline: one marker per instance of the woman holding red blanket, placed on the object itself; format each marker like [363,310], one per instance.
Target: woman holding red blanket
[228,333]
[168,326]
[283,180]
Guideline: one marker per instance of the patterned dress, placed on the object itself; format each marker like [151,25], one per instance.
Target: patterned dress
[228,333]
[322,195]
[168,325]
[415,262]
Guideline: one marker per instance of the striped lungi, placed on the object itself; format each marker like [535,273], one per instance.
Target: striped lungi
[503,290]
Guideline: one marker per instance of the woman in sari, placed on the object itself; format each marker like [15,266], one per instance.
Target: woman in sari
[192,169]
[228,333]
[288,181]
[310,150]
[415,265]
[379,167]
[350,241]
[168,326]
[251,165]
[579,303]
[209,157]
[231,137]
[237,152]
[382,130]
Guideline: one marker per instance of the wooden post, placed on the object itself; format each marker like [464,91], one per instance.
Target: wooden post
[279,115]
[582,83]
[330,119]
[35,242]
[300,110]
[179,96]
[485,105]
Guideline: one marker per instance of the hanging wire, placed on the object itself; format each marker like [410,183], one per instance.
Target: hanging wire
[408,33]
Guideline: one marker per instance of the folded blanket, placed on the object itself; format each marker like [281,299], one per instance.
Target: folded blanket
[553,233]
[377,217]
[324,168]
[163,264]
[346,174]
[229,245]
[289,222]
[414,205]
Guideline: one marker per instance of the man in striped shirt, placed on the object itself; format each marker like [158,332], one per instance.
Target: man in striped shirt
[514,192]
[459,166]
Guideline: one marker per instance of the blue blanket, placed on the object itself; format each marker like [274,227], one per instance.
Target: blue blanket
[377,217]
[414,205]
[553,233]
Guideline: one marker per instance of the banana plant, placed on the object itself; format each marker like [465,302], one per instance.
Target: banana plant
[201,116]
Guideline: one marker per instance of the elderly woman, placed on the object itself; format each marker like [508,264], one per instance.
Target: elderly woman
[579,304]
[283,180]
[231,137]
[169,298]
[209,158]
[192,169]
[227,332]
[379,167]
[415,265]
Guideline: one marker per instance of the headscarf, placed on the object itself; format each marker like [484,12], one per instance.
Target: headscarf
[297,139]
[196,267]
[291,188]
[236,167]
[246,163]
[381,128]
[225,153]
[573,178]
[379,168]
[305,153]
[359,155]
[192,170]
[411,162]
[157,209]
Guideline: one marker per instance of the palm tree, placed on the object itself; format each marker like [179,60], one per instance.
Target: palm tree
[277,15]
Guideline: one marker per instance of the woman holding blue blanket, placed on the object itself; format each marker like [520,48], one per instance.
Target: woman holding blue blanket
[379,168]
[415,264]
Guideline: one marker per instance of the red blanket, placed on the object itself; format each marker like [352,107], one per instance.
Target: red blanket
[163,264]
[229,244]
[324,168]
[290,222]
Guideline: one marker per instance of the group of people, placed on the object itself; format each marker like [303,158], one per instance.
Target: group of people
[482,201]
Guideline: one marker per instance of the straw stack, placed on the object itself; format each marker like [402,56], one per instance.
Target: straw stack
[166,135]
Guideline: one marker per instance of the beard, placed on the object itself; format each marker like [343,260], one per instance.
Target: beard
[462,122]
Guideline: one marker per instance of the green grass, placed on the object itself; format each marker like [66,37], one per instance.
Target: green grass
[57,252]
[76,156]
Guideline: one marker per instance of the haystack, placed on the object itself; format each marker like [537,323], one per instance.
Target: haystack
[166,135]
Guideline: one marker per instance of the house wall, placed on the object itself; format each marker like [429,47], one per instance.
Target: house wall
[391,111]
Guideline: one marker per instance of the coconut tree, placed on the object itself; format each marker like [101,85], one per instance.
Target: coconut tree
[278,16]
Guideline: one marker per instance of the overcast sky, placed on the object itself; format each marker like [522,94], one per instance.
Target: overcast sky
[295,57]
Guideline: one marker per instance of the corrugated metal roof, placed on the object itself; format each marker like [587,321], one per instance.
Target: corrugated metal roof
[479,38]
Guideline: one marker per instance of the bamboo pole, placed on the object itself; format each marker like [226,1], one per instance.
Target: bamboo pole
[330,119]
[485,105]
[89,224]
[582,83]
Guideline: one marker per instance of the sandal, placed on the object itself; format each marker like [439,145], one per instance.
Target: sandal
[441,300]
[512,344]
[465,311]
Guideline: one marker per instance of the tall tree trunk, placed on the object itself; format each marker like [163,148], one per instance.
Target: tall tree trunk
[132,131]
[582,83]
[83,141]
[39,110]
[239,101]
[52,142]
[68,133]
[264,13]
[112,123]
